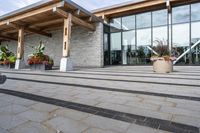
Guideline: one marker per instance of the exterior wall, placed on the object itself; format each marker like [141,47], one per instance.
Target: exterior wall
[86,46]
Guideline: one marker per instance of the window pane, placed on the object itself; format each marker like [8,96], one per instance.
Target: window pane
[143,40]
[128,23]
[160,18]
[181,41]
[181,34]
[143,20]
[195,10]
[115,41]
[181,14]
[129,38]
[159,33]
[129,48]
[116,48]
[195,31]
[143,37]
[115,24]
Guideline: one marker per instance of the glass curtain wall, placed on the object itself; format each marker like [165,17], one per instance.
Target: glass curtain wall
[130,36]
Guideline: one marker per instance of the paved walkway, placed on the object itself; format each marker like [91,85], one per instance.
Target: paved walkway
[122,99]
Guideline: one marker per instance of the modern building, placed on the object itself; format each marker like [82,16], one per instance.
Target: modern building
[117,35]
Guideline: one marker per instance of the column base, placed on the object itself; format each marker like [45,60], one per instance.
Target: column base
[66,64]
[19,64]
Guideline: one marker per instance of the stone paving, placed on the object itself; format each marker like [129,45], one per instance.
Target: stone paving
[165,99]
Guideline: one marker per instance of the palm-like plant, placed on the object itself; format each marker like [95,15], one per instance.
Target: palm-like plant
[161,48]
[6,55]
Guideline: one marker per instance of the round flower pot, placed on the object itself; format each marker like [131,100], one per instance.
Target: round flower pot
[162,66]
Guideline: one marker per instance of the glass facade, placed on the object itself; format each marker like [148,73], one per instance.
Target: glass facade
[131,36]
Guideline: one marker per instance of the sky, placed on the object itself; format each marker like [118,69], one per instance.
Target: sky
[7,6]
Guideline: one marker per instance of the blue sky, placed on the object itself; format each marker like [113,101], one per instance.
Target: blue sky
[7,6]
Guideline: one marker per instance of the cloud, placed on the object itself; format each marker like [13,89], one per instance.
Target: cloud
[95,4]
[11,5]
[23,3]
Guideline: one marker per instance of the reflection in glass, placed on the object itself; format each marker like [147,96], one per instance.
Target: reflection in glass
[129,48]
[143,20]
[181,14]
[160,17]
[115,24]
[195,34]
[159,33]
[128,22]
[143,40]
[195,12]
[181,41]
[116,48]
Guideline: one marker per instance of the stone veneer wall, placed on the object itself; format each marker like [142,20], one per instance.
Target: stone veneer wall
[86,46]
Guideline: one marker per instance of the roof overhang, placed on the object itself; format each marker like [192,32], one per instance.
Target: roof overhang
[137,7]
[40,17]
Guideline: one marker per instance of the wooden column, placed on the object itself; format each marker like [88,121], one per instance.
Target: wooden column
[67,35]
[20,47]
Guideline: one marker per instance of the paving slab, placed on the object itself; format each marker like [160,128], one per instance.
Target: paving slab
[10,121]
[72,114]
[106,123]
[35,116]
[32,127]
[66,125]
[13,109]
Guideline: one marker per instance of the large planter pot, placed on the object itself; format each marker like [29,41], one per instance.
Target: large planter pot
[162,66]
[40,67]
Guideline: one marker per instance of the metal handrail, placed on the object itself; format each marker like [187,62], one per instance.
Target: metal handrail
[187,51]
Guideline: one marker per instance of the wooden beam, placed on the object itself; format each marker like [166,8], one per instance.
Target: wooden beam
[29,29]
[168,4]
[80,22]
[78,12]
[20,47]
[8,37]
[67,35]
[75,19]
[138,7]
[106,20]
[32,13]
[60,12]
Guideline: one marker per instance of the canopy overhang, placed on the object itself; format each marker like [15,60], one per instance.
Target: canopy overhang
[138,7]
[43,16]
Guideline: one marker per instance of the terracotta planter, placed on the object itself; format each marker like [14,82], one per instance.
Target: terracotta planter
[162,66]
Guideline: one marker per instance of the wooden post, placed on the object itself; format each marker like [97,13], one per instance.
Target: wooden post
[67,35]
[20,47]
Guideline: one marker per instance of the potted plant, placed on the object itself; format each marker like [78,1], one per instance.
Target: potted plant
[162,61]
[7,58]
[38,60]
